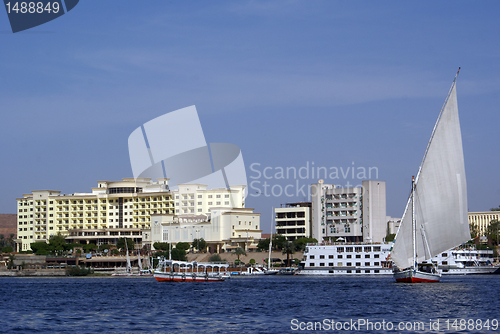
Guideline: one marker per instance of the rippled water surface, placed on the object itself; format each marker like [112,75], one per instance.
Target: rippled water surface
[263,304]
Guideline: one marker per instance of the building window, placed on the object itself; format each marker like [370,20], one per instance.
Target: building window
[311,257]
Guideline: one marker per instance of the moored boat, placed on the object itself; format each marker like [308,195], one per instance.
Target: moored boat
[182,271]
[466,261]
[346,259]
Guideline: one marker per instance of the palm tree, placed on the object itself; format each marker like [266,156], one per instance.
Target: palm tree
[239,251]
[288,248]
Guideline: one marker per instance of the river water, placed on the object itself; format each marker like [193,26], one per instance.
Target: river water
[259,304]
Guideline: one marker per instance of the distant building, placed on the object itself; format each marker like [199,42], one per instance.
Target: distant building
[114,209]
[482,220]
[293,220]
[393,225]
[226,230]
[351,214]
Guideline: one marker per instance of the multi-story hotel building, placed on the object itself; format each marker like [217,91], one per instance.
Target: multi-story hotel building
[113,210]
[293,220]
[353,214]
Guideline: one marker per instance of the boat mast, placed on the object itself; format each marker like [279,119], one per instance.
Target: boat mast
[169,241]
[270,240]
[413,223]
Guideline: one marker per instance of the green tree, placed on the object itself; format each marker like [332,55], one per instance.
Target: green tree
[78,271]
[493,231]
[301,243]
[7,249]
[279,241]
[40,248]
[390,237]
[474,231]
[161,246]
[183,245]
[238,252]
[179,254]
[102,247]
[288,249]
[89,247]
[252,261]
[214,258]
[57,244]
[263,244]
[200,244]
[495,209]
[120,244]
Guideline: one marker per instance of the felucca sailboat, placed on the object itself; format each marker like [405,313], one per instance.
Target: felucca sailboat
[435,218]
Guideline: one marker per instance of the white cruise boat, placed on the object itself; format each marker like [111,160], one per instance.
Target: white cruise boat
[372,259]
[346,259]
[466,261]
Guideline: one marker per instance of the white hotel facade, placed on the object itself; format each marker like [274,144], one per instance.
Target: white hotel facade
[355,214]
[117,209]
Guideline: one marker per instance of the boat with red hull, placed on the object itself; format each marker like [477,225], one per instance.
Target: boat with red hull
[182,271]
[416,276]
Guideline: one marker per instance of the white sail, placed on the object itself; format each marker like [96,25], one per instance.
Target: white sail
[139,261]
[129,266]
[440,195]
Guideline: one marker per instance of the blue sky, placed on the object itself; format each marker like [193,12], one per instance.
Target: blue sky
[340,84]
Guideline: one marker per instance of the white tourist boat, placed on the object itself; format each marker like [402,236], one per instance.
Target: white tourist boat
[466,261]
[346,259]
[182,271]
[253,271]
[435,218]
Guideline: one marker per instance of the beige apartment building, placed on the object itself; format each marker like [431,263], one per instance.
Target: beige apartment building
[114,209]
[293,220]
[483,219]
